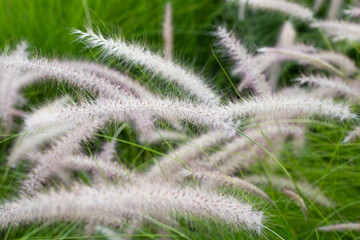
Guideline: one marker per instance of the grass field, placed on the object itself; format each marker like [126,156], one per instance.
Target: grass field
[324,160]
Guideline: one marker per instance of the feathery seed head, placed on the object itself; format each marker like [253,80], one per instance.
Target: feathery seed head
[287,106]
[243,62]
[280,183]
[168,32]
[213,179]
[352,135]
[287,35]
[111,205]
[302,58]
[341,227]
[64,72]
[334,9]
[121,110]
[289,8]
[353,12]
[151,62]
[334,85]
[339,30]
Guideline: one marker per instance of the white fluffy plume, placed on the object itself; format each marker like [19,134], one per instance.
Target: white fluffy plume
[117,205]
[152,62]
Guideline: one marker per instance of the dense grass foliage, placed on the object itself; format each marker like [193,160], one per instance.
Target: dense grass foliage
[324,160]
